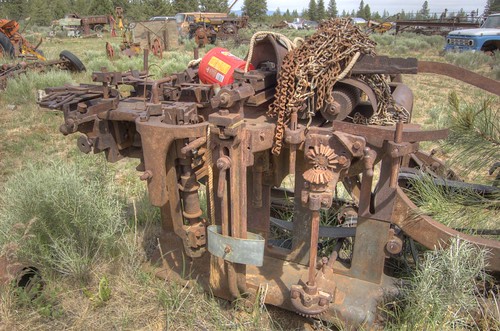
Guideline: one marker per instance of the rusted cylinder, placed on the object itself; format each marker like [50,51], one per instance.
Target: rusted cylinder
[189,193]
[23,275]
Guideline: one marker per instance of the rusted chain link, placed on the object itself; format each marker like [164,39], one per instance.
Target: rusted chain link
[309,71]
[388,112]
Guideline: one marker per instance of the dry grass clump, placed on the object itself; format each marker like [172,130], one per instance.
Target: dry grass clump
[61,216]
[404,43]
[447,293]
[22,89]
[484,63]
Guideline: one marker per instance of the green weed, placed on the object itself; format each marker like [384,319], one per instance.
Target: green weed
[22,89]
[442,295]
[62,216]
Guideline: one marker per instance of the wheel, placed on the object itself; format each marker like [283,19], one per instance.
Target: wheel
[74,63]
[157,48]
[6,47]
[98,28]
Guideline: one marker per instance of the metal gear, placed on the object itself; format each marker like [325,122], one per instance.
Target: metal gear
[322,157]
[323,160]
[309,301]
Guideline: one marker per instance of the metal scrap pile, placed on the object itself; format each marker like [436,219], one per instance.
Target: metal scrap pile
[310,71]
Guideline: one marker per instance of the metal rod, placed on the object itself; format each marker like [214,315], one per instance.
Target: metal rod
[398,138]
[314,247]
[146,59]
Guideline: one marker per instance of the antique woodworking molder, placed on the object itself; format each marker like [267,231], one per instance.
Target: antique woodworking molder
[326,111]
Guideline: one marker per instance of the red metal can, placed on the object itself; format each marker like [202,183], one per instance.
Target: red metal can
[218,65]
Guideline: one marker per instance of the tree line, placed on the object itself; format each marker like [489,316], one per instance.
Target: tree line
[43,12]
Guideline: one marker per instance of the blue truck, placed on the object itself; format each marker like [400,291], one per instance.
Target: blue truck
[485,39]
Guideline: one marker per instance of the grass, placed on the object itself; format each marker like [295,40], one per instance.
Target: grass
[408,43]
[447,293]
[20,90]
[64,217]
[45,181]
[448,290]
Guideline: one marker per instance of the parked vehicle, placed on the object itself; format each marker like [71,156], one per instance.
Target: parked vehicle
[77,25]
[485,39]
[162,18]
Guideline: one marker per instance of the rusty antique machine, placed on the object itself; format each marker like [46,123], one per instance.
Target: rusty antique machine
[326,111]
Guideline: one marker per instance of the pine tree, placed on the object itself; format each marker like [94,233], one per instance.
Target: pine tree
[182,6]
[40,12]
[425,10]
[14,9]
[277,13]
[344,13]
[255,9]
[332,9]
[361,9]
[367,13]
[295,13]
[312,12]
[101,7]
[157,8]
[217,6]
[320,10]
[493,6]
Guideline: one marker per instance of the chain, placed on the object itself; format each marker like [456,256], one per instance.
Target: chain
[310,71]
[388,112]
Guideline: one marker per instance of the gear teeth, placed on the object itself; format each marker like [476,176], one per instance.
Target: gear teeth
[311,315]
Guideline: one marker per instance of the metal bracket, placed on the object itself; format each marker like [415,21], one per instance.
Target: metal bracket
[236,250]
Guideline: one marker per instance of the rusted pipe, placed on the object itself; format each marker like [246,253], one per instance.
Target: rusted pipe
[146,60]
[197,143]
[155,95]
[314,247]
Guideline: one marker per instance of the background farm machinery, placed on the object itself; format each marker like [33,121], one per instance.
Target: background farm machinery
[13,45]
[205,28]
[240,128]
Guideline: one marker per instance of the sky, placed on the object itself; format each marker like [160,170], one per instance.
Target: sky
[392,6]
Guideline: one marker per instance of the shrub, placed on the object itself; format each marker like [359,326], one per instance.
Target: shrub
[441,294]
[62,217]
[22,89]
[469,60]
